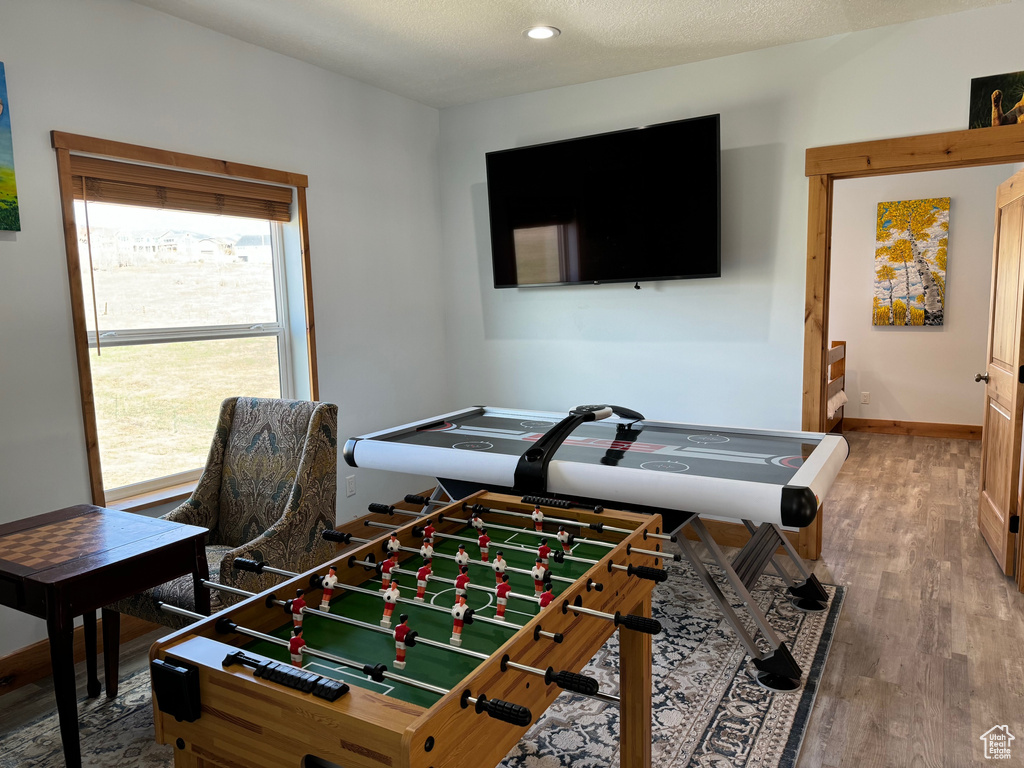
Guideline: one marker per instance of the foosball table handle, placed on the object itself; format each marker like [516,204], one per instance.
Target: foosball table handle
[381,509]
[571,681]
[506,711]
[638,623]
[658,575]
[338,537]
[251,566]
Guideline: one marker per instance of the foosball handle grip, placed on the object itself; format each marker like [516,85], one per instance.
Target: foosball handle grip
[638,623]
[245,564]
[571,681]
[338,537]
[505,711]
[381,509]
[412,498]
[646,572]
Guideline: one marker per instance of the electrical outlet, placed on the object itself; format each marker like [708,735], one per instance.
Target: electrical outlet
[865,399]
[350,485]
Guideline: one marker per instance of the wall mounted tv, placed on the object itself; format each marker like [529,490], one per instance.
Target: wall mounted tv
[639,204]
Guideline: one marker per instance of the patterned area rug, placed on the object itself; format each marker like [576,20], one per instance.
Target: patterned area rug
[708,710]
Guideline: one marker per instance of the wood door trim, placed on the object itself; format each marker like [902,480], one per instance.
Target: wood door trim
[823,165]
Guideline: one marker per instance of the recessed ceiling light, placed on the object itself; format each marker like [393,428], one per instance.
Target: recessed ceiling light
[542,33]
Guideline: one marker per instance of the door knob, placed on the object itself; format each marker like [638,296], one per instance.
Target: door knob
[981,377]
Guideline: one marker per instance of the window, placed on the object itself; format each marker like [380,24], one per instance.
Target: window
[180,288]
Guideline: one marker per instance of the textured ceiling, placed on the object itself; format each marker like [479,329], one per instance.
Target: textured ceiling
[447,52]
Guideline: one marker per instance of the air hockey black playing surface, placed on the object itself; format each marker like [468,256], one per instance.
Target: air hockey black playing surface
[720,453]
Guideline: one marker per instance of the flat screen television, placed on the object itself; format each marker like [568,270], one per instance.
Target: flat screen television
[628,206]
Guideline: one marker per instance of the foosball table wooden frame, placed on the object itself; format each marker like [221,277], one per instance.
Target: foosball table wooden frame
[247,721]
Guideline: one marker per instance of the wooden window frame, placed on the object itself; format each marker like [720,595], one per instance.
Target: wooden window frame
[66,144]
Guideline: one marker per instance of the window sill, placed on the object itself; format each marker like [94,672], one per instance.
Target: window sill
[154,498]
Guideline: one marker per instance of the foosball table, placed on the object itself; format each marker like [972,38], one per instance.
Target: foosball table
[434,638]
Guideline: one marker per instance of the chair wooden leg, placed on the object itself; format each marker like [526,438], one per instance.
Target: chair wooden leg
[111,649]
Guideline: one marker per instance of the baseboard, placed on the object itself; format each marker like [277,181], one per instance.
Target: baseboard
[31,663]
[915,428]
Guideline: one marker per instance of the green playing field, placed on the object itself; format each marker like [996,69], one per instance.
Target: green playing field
[429,665]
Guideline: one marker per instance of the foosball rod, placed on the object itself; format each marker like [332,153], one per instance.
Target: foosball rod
[643,624]
[378,672]
[597,509]
[346,538]
[599,527]
[504,545]
[508,712]
[531,532]
[252,566]
[442,580]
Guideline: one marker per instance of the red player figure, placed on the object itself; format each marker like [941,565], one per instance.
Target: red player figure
[499,566]
[462,556]
[462,582]
[458,616]
[546,597]
[329,583]
[484,541]
[422,575]
[390,599]
[385,571]
[429,530]
[298,605]
[565,538]
[538,518]
[537,572]
[503,589]
[295,646]
[477,521]
[394,544]
[401,631]
[544,552]
[427,550]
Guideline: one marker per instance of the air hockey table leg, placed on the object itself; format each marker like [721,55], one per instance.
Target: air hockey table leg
[778,670]
[808,595]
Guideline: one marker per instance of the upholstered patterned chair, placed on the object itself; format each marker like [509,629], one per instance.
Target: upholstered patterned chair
[267,493]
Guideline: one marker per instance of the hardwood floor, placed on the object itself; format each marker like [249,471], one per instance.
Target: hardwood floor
[927,652]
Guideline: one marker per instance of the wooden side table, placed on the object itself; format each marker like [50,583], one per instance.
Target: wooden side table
[72,561]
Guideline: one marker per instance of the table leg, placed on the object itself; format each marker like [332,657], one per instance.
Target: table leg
[62,660]
[635,692]
[92,681]
[111,649]
[201,572]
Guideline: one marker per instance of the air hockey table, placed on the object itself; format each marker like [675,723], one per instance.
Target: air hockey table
[609,455]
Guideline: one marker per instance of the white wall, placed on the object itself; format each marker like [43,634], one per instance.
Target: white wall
[726,350]
[117,70]
[924,373]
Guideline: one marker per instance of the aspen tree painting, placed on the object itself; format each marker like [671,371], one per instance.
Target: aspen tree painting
[910,262]
[9,218]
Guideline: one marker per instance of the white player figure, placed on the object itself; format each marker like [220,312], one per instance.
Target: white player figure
[537,572]
[538,518]
[458,617]
[329,583]
[499,565]
[427,549]
[462,556]
[565,539]
[390,600]
[478,522]
[394,545]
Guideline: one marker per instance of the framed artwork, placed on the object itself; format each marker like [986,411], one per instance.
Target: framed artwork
[9,217]
[997,100]
[911,238]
